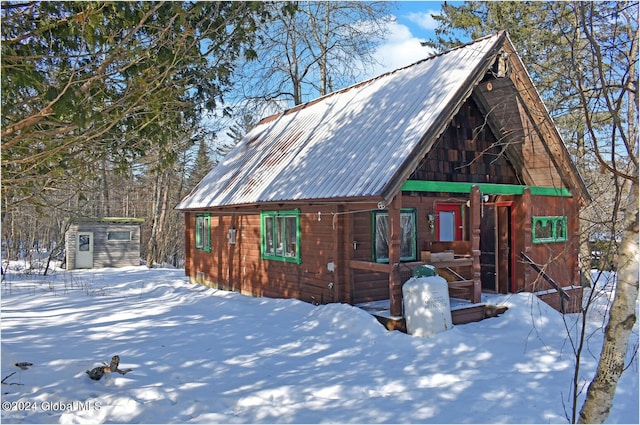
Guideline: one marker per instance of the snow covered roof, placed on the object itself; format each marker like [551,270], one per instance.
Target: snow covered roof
[358,142]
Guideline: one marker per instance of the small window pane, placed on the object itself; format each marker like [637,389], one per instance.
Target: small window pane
[407,244]
[84,242]
[199,232]
[447,226]
[560,230]
[382,237]
[269,247]
[407,236]
[119,236]
[280,239]
[291,234]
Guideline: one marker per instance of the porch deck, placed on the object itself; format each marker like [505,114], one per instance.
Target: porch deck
[462,311]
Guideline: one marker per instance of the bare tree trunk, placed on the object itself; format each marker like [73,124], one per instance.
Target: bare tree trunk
[162,219]
[104,186]
[584,262]
[153,241]
[622,318]
[159,213]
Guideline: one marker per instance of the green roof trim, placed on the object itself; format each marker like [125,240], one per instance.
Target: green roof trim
[487,188]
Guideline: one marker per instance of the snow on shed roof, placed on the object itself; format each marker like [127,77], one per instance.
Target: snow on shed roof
[351,143]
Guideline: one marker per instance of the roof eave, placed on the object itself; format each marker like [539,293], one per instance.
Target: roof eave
[566,167]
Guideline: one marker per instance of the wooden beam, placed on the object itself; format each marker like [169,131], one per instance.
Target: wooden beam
[527,236]
[369,266]
[395,233]
[475,219]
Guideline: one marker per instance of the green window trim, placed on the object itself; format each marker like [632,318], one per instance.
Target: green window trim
[409,238]
[203,232]
[280,236]
[549,229]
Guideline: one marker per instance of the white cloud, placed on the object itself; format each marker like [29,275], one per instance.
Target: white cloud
[424,19]
[401,48]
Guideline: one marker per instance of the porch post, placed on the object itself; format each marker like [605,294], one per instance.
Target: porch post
[395,283]
[527,236]
[475,206]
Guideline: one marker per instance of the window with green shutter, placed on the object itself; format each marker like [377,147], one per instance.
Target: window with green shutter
[549,229]
[203,232]
[280,235]
[408,235]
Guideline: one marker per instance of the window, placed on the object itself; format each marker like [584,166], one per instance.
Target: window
[203,232]
[119,236]
[408,240]
[450,220]
[84,243]
[549,229]
[280,235]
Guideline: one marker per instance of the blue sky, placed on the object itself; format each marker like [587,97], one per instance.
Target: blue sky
[416,16]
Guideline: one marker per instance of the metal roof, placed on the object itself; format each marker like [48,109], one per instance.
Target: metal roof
[349,144]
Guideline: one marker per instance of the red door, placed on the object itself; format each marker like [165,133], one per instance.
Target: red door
[449,222]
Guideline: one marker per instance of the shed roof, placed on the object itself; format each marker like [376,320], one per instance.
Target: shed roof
[358,143]
[115,220]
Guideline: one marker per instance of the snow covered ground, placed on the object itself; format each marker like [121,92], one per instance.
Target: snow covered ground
[201,355]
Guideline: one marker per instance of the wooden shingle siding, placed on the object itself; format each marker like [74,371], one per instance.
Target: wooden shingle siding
[467,151]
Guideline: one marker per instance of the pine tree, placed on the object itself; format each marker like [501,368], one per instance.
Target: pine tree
[201,165]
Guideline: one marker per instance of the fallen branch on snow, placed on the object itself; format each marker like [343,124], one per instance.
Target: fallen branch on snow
[7,377]
[97,372]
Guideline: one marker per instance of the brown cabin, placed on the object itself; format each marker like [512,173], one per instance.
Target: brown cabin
[452,161]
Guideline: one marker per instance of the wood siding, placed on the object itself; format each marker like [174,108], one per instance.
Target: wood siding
[106,253]
[467,151]
[558,259]
[239,267]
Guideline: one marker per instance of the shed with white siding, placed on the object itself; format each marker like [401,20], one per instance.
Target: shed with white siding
[103,242]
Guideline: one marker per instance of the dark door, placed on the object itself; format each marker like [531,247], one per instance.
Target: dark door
[496,258]
[488,249]
[504,255]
